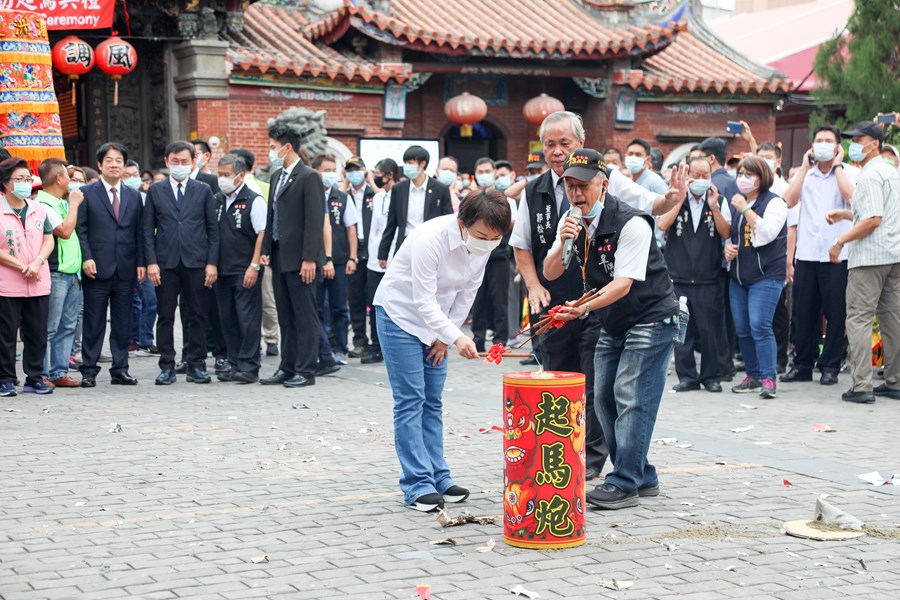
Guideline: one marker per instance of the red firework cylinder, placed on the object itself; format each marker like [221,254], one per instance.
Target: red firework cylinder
[543,448]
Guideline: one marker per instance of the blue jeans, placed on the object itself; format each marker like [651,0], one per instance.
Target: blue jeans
[62,320]
[418,420]
[144,315]
[752,308]
[629,380]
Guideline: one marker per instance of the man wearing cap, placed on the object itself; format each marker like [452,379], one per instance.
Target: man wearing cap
[360,194]
[873,280]
[636,317]
[535,166]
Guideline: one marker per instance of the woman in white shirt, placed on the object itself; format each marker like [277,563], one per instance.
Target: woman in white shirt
[421,304]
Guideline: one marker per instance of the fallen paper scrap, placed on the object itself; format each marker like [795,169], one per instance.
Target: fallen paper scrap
[831,515]
[742,429]
[622,524]
[684,445]
[762,443]
[520,591]
[115,428]
[444,542]
[445,520]
[260,559]
[682,515]
[823,428]
[729,568]
[310,459]
[786,483]
[749,406]
[616,584]
[688,504]
[298,405]
[366,430]
[829,524]
[874,478]
[424,591]
[489,546]
[490,429]
[665,441]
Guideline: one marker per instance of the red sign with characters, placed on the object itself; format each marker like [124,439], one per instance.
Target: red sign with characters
[68,14]
[543,447]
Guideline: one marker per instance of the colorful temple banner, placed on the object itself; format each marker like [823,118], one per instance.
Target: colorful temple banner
[29,114]
[543,447]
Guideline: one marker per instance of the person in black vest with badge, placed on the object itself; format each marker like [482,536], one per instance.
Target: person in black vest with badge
[695,234]
[636,309]
[360,194]
[242,225]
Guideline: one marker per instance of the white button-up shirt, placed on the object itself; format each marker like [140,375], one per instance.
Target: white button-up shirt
[820,193]
[258,210]
[109,188]
[430,286]
[415,209]
[381,204]
[359,203]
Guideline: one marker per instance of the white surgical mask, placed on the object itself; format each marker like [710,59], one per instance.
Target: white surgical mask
[771,163]
[446,177]
[612,167]
[410,171]
[731,172]
[699,187]
[484,179]
[823,151]
[75,185]
[22,189]
[129,182]
[480,247]
[226,184]
[330,178]
[635,164]
[356,177]
[502,183]
[275,161]
[533,177]
[180,172]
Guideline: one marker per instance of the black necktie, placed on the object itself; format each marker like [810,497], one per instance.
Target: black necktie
[564,205]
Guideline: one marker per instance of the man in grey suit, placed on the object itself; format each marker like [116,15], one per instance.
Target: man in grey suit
[181,246]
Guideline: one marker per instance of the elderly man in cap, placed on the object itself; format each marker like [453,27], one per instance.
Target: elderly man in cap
[873,280]
[636,311]
[360,194]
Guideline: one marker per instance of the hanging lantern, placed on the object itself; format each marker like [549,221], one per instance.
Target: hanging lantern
[74,57]
[465,110]
[537,109]
[116,58]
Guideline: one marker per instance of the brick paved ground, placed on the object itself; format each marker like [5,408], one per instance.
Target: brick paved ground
[202,480]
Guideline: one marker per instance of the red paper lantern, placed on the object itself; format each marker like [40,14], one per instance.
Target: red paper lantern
[74,57]
[465,110]
[116,58]
[537,109]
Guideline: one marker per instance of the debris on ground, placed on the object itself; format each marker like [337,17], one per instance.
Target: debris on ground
[115,428]
[823,428]
[444,542]
[445,520]
[488,547]
[521,591]
[260,559]
[616,584]
[424,591]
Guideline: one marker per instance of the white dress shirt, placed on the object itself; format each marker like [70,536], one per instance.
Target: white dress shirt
[358,200]
[109,188]
[381,204]
[415,209]
[769,227]
[430,286]
[175,185]
[258,210]
[698,205]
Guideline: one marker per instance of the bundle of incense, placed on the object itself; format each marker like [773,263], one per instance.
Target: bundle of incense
[548,322]
[588,296]
[508,354]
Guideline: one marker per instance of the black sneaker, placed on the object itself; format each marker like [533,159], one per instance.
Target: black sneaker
[181,368]
[884,390]
[858,397]
[271,349]
[371,357]
[748,386]
[454,494]
[427,503]
[609,497]
[648,491]
[357,352]
[327,369]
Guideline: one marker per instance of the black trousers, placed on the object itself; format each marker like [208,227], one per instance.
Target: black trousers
[781,327]
[373,280]
[28,315]
[490,310]
[100,294]
[706,306]
[571,348]
[215,340]
[820,289]
[298,319]
[359,301]
[240,310]
[189,282]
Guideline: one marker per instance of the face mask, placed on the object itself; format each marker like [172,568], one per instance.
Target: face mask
[200,163]
[635,164]
[356,178]
[502,183]
[75,185]
[856,153]
[595,212]
[771,164]
[731,172]
[130,182]
[533,177]
[410,171]
[330,178]
[699,187]
[180,172]
[275,161]
[466,182]
[480,247]
[379,181]
[446,177]
[22,189]
[484,179]
[226,184]
[611,167]
[746,184]
[823,151]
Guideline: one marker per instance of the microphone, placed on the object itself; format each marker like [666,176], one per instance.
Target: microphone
[569,244]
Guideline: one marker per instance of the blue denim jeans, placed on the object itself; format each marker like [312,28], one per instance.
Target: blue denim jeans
[144,315]
[418,420]
[752,308]
[62,320]
[629,380]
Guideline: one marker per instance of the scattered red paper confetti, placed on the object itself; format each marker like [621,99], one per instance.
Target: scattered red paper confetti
[823,428]
[490,429]
[424,591]
[786,483]
[495,354]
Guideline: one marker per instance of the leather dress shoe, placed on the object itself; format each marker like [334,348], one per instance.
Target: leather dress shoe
[372,357]
[590,474]
[277,378]
[244,377]
[166,377]
[686,387]
[88,381]
[886,392]
[65,382]
[197,375]
[713,386]
[271,349]
[795,376]
[858,397]
[181,367]
[299,381]
[225,375]
[531,360]
[828,378]
[123,378]
[327,369]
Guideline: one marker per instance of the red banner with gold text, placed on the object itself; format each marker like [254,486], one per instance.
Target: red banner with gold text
[68,14]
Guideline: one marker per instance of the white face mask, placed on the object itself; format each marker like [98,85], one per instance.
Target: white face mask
[226,184]
[480,247]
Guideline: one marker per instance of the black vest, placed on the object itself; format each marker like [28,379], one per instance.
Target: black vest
[335,207]
[694,257]
[543,220]
[766,262]
[237,240]
[365,216]
[649,301]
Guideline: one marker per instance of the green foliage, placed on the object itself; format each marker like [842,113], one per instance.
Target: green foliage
[862,69]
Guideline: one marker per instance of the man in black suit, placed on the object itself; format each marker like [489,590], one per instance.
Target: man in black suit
[202,154]
[111,236]
[181,243]
[417,199]
[294,247]
[361,194]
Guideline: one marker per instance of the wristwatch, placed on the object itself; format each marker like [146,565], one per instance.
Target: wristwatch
[254,266]
[839,166]
[837,244]
[356,260]
[587,310]
[328,259]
